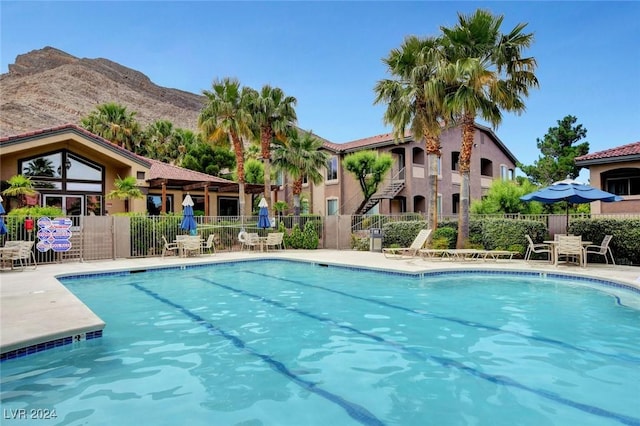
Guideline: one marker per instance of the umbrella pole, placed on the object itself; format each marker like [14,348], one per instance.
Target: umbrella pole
[567,228]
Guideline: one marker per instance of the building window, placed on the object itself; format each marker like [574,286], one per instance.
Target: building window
[140,175]
[418,156]
[332,168]
[439,166]
[622,181]
[455,203]
[439,206]
[154,204]
[486,167]
[504,172]
[455,161]
[67,181]
[332,207]
[228,206]
[280,178]
[511,174]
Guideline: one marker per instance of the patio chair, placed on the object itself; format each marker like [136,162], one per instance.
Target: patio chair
[209,244]
[169,247]
[248,240]
[570,248]
[603,249]
[23,254]
[412,250]
[275,240]
[537,248]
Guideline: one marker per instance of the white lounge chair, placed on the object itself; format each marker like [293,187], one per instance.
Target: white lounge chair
[411,251]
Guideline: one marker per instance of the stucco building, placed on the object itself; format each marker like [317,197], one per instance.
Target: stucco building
[406,189]
[615,170]
[74,169]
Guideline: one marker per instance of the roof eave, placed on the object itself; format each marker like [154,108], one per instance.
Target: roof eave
[607,160]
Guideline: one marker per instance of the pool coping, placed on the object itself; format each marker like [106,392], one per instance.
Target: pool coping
[31,300]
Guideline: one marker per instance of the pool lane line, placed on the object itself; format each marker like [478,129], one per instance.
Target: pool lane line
[355,411]
[620,357]
[445,362]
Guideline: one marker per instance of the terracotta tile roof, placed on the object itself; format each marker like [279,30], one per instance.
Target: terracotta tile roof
[160,170]
[620,151]
[386,138]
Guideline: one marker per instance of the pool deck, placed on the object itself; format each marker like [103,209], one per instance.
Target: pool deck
[36,308]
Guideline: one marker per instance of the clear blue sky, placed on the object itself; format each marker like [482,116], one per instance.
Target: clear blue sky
[328,54]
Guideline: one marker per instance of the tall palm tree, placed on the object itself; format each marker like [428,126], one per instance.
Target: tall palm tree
[273,113]
[227,116]
[299,156]
[159,135]
[488,74]
[113,122]
[414,99]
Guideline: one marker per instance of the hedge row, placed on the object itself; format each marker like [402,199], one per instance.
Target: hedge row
[509,234]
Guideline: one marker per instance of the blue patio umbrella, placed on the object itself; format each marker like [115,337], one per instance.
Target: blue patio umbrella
[188,221]
[3,228]
[263,215]
[570,191]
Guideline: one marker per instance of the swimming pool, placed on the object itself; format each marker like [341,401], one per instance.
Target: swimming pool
[281,342]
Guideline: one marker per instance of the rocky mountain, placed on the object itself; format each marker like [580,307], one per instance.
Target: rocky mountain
[48,87]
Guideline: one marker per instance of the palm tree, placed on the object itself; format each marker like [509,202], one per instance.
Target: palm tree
[488,74]
[19,187]
[114,123]
[227,117]
[299,156]
[125,188]
[40,167]
[159,135]
[273,113]
[414,99]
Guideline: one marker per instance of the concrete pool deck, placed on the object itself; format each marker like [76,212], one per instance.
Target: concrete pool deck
[35,308]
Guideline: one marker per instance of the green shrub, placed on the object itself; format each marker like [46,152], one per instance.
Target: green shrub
[295,240]
[310,239]
[401,233]
[445,238]
[359,241]
[625,243]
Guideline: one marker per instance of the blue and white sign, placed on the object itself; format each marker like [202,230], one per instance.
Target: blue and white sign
[54,234]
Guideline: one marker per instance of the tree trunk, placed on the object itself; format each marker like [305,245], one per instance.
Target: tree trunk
[238,149]
[468,131]
[265,143]
[433,153]
[297,190]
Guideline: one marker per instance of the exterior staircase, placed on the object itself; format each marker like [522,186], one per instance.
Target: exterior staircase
[387,191]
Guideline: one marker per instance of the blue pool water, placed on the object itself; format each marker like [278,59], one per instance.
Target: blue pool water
[288,343]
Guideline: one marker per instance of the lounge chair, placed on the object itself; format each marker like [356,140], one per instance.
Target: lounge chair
[411,251]
[603,249]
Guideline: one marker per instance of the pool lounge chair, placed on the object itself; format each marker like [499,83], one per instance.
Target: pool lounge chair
[411,251]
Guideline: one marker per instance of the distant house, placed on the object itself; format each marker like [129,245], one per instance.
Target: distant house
[406,190]
[615,170]
[75,169]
